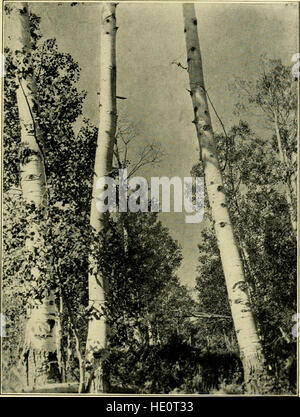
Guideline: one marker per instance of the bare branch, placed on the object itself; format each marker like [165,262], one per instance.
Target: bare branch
[150,154]
[179,65]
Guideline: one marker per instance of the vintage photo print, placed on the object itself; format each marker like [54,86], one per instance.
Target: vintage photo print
[149,198]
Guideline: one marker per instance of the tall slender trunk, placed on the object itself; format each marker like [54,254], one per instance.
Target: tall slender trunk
[69,352]
[293,162]
[288,184]
[244,323]
[40,349]
[97,330]
[78,347]
[60,347]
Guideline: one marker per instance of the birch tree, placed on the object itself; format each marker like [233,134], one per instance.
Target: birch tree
[244,323]
[251,176]
[97,329]
[40,345]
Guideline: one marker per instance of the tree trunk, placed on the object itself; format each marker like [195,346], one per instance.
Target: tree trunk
[69,352]
[293,162]
[287,182]
[97,330]
[39,351]
[60,346]
[245,328]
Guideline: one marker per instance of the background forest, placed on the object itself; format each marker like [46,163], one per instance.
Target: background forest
[165,336]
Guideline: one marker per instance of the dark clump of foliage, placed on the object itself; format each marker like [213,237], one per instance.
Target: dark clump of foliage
[172,367]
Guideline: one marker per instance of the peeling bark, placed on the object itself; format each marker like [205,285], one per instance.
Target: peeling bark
[40,348]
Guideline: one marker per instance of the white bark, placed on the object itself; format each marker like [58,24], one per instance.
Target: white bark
[245,328]
[97,331]
[40,332]
[33,178]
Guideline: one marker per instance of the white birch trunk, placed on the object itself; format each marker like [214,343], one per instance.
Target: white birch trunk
[97,330]
[40,350]
[245,328]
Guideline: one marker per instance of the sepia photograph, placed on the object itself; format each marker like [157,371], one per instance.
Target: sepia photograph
[149,199]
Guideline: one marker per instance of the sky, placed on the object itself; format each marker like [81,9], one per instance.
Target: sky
[150,37]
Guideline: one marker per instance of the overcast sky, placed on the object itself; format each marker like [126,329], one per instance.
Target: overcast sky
[150,37]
